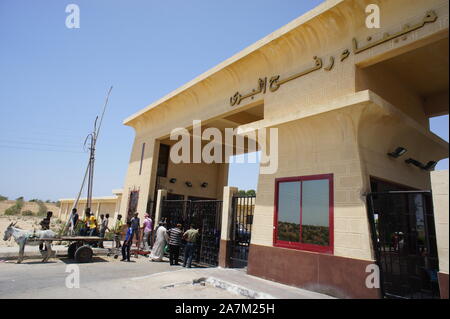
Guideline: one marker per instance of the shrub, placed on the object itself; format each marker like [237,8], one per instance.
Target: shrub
[16,208]
[2,198]
[27,213]
[13,210]
[42,209]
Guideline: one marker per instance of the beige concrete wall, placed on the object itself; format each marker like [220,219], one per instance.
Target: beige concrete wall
[145,181]
[439,182]
[352,143]
[323,144]
[196,174]
[382,131]
[216,175]
[320,131]
[381,81]
[99,206]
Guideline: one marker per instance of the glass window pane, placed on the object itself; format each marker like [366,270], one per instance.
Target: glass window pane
[289,211]
[315,212]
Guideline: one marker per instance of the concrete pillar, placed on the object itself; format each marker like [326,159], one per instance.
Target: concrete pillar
[162,193]
[225,234]
[439,186]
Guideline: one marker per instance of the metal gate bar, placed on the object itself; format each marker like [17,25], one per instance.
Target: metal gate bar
[205,215]
[404,240]
[241,228]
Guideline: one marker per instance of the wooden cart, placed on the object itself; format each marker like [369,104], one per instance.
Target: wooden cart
[80,247]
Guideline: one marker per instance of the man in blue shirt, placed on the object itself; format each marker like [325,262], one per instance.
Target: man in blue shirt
[127,243]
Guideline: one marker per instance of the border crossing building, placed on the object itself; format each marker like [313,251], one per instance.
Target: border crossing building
[352,187]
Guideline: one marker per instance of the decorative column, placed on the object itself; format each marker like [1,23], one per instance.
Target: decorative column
[227,222]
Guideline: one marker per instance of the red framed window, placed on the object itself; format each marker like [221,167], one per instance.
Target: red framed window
[304,213]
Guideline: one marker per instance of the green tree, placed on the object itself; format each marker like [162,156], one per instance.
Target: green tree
[242,192]
[251,192]
[2,198]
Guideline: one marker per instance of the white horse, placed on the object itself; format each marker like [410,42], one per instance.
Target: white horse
[31,237]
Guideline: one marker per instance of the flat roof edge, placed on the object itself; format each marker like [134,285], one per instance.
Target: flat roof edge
[325,6]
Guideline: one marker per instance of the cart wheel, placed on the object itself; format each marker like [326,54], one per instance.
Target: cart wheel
[84,254]
[71,250]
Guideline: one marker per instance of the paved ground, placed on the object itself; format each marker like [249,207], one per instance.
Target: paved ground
[109,278]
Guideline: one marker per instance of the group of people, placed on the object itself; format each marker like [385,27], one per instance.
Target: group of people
[173,238]
[164,238]
[89,225]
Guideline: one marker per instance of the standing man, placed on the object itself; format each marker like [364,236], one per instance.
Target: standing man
[92,225]
[73,221]
[191,237]
[160,243]
[148,227]
[45,225]
[103,228]
[118,231]
[127,243]
[175,235]
[135,224]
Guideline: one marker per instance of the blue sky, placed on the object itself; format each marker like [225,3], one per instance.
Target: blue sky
[53,80]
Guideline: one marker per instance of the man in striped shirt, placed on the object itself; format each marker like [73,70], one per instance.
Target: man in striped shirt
[175,235]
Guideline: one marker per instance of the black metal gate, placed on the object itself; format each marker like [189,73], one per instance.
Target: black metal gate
[404,240]
[206,216]
[241,229]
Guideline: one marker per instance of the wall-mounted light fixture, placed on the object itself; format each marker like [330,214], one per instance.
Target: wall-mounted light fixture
[173,180]
[204,184]
[399,151]
[430,166]
[414,162]
[188,184]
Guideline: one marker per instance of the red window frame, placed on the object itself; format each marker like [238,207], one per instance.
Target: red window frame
[301,246]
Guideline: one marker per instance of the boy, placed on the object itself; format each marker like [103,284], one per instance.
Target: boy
[127,243]
[118,231]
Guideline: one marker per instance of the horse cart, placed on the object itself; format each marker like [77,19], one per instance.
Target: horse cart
[80,247]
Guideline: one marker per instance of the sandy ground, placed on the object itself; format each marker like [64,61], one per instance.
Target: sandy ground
[23,222]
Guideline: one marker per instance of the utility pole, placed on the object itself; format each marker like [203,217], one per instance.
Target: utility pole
[92,137]
[93,140]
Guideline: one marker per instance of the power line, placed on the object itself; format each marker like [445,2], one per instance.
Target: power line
[40,150]
[39,132]
[37,143]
